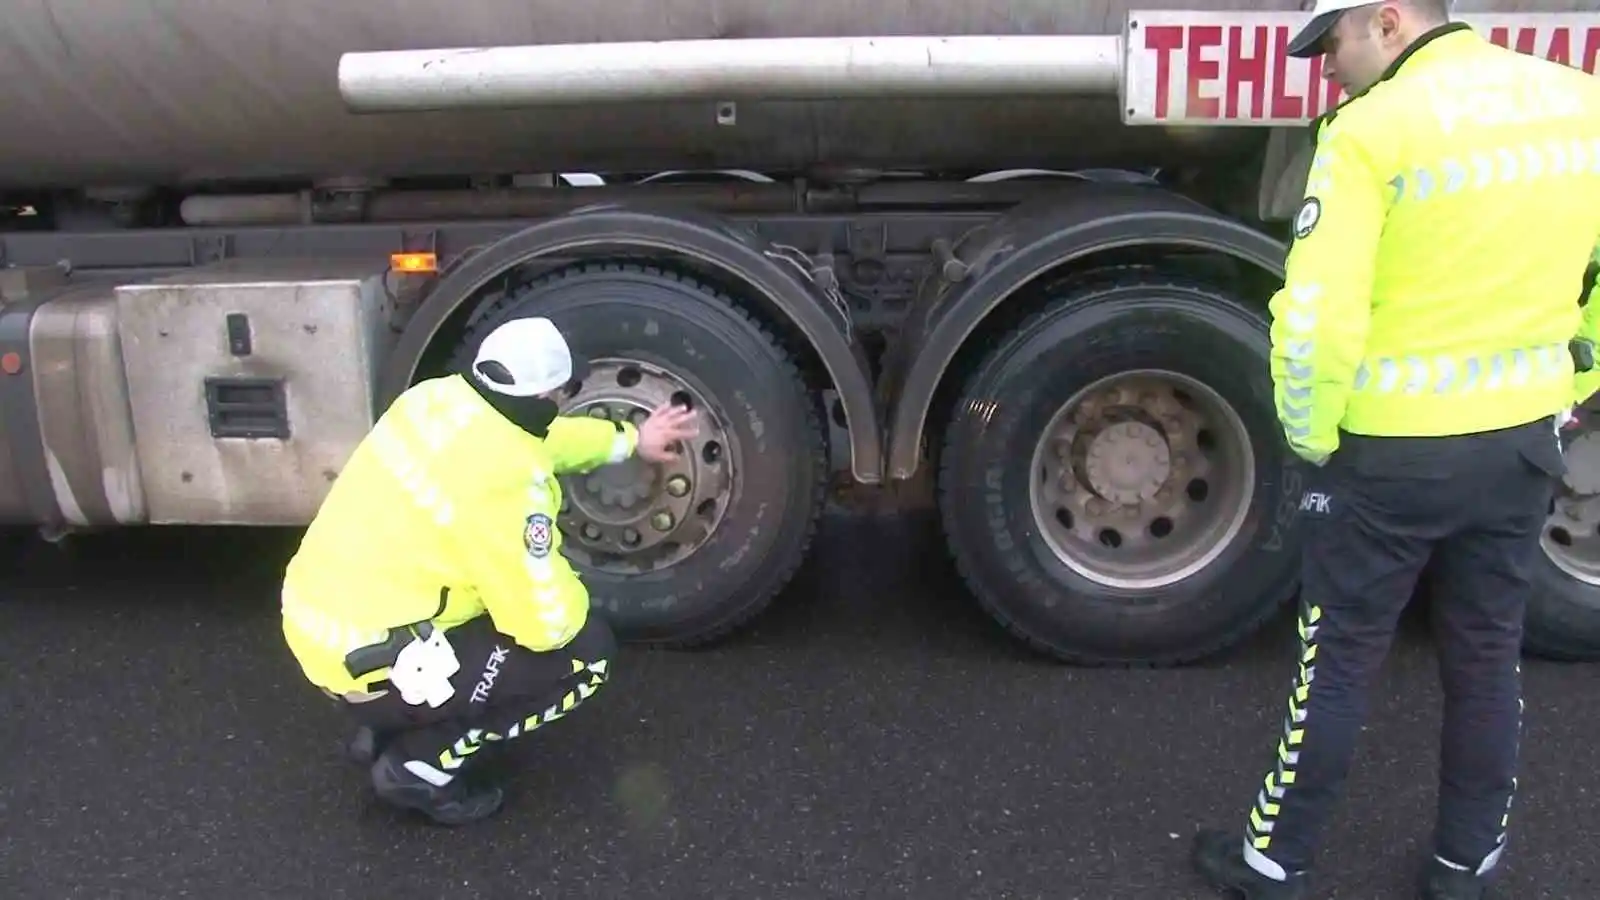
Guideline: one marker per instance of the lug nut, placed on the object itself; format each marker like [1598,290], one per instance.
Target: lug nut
[639,416]
[630,537]
[599,412]
[661,521]
[591,531]
[678,486]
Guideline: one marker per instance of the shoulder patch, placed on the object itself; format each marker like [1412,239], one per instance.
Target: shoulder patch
[536,535]
[1305,221]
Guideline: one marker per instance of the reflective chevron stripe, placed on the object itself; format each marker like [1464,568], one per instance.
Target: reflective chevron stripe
[1443,374]
[1510,164]
[1263,816]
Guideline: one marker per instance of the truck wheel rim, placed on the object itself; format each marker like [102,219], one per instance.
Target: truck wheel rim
[1571,537]
[1572,551]
[635,516]
[1142,479]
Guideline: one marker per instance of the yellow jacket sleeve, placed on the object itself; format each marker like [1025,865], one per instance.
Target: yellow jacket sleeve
[1320,317]
[510,543]
[1589,382]
[579,443]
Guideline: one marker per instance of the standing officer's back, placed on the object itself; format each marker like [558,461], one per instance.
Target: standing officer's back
[1449,214]
[1420,363]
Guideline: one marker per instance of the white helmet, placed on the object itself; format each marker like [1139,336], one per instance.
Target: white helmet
[523,358]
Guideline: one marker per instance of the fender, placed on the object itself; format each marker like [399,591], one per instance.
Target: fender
[717,242]
[1011,252]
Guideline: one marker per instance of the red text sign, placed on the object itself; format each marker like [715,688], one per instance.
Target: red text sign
[1210,68]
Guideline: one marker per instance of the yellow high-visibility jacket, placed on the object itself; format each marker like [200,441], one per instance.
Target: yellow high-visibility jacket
[445,511]
[1449,215]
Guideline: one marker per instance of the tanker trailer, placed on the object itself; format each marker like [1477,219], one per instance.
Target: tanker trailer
[1019,266]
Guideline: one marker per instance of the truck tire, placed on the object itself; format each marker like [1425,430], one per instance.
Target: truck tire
[684,554]
[1130,393]
[1563,618]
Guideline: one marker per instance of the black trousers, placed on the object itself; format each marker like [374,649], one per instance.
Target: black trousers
[1376,514]
[503,691]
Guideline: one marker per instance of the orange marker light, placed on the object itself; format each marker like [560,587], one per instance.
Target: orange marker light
[413,263]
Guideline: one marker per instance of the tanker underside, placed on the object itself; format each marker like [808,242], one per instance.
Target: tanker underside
[837,333]
[1072,363]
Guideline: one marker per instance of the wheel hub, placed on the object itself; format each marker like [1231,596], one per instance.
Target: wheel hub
[622,487]
[1128,462]
[1583,464]
[636,516]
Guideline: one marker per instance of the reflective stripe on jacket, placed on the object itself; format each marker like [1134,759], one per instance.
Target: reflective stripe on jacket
[444,495]
[1450,212]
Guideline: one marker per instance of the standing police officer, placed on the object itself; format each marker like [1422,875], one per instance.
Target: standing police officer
[1420,360]
[429,594]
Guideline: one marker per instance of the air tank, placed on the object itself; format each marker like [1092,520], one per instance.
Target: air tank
[124,94]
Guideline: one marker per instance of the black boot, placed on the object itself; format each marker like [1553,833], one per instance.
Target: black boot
[1220,858]
[366,745]
[458,803]
[1441,882]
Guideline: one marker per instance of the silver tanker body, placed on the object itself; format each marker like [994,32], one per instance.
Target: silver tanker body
[139,93]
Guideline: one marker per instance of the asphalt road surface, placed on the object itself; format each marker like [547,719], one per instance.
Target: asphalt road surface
[872,738]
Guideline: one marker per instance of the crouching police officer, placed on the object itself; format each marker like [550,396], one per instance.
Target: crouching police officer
[429,595]
[1423,349]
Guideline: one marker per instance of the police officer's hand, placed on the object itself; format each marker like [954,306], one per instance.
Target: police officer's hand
[660,434]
